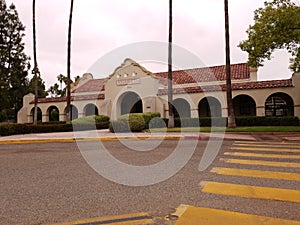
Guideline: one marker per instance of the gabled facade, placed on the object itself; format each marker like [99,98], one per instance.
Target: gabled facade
[198,92]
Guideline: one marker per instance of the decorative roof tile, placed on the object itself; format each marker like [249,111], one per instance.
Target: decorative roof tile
[91,86]
[207,74]
[235,86]
[73,98]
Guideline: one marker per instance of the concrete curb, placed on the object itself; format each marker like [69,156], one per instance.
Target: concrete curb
[72,140]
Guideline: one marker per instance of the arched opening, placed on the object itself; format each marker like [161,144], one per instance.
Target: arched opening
[209,107]
[74,111]
[279,104]
[181,108]
[244,105]
[91,110]
[131,103]
[53,114]
[39,114]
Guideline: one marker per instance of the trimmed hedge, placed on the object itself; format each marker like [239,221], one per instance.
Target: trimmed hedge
[240,121]
[13,129]
[267,121]
[91,123]
[134,122]
[84,123]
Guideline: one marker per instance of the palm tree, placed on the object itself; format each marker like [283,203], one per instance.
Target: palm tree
[170,85]
[231,117]
[69,112]
[60,78]
[35,70]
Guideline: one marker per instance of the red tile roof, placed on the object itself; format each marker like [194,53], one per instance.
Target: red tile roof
[91,86]
[207,74]
[73,98]
[235,86]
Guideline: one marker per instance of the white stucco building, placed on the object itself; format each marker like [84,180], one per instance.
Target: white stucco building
[199,92]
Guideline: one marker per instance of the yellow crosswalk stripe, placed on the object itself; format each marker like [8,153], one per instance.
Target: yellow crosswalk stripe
[262,163]
[278,156]
[292,146]
[247,191]
[126,219]
[268,143]
[257,173]
[266,149]
[207,216]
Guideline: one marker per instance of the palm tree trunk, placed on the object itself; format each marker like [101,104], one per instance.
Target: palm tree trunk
[35,69]
[69,111]
[231,117]
[170,78]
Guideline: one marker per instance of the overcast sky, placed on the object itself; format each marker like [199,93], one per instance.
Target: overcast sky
[101,26]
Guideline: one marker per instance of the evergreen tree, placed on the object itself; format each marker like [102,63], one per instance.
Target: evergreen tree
[42,93]
[14,63]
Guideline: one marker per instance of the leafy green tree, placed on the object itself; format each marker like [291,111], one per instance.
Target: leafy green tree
[14,63]
[277,26]
[54,90]
[42,93]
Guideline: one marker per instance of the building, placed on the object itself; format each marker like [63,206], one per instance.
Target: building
[199,92]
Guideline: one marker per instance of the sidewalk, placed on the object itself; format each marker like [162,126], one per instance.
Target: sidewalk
[105,135]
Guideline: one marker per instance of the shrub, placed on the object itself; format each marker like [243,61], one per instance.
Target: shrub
[157,122]
[91,122]
[119,126]
[13,129]
[267,121]
[240,121]
[203,121]
[134,122]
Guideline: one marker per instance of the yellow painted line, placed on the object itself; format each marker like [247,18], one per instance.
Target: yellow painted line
[262,163]
[267,142]
[70,140]
[257,173]
[292,145]
[266,149]
[58,140]
[278,156]
[247,191]
[126,219]
[207,216]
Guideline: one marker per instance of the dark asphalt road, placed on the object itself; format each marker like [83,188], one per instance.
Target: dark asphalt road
[51,182]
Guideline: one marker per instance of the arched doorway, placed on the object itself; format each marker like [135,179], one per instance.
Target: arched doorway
[91,110]
[131,103]
[74,111]
[39,114]
[182,108]
[244,105]
[279,104]
[53,114]
[209,107]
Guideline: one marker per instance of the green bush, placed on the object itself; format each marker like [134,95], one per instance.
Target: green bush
[240,121]
[134,122]
[13,129]
[203,122]
[157,122]
[267,121]
[91,122]
[119,126]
